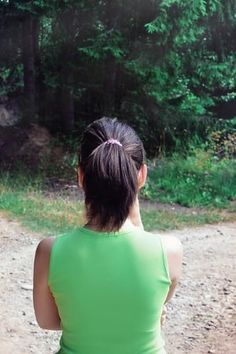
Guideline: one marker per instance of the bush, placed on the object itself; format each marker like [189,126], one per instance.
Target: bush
[199,179]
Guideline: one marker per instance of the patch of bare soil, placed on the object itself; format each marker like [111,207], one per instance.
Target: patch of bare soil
[201,317]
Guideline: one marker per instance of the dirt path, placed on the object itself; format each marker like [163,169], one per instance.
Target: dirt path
[201,317]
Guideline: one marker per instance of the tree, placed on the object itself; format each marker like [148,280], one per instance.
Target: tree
[165,64]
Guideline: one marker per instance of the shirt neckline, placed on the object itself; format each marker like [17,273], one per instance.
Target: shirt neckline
[91,232]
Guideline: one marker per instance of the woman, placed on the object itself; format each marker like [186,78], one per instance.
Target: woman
[105,284]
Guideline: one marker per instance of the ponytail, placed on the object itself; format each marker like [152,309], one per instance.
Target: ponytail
[111,156]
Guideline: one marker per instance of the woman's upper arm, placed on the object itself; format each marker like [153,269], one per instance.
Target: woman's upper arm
[44,305]
[174,253]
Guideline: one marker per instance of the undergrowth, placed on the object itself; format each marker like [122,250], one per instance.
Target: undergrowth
[197,180]
[23,197]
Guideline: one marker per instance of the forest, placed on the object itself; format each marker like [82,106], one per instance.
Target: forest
[166,67]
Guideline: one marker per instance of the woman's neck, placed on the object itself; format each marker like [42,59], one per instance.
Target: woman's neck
[127,226]
[133,220]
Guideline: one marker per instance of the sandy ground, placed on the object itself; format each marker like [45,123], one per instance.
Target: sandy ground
[201,317]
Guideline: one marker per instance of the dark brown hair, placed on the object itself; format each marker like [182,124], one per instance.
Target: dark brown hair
[110,171]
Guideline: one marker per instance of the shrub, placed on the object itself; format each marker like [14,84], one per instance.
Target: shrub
[199,179]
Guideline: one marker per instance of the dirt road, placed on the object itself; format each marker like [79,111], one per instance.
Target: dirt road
[201,317]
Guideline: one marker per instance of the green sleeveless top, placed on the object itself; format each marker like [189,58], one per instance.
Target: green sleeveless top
[109,289]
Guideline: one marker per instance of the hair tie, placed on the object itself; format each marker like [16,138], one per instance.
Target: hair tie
[113,142]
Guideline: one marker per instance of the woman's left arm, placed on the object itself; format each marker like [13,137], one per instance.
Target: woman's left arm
[46,311]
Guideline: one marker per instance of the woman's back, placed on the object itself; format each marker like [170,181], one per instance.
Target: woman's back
[109,290]
[106,288]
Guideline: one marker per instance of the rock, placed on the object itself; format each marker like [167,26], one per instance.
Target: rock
[226,291]
[9,114]
[30,146]
[32,323]
[27,287]
[38,135]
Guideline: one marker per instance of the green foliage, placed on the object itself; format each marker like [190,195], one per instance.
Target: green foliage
[26,199]
[167,220]
[11,79]
[222,139]
[164,64]
[196,180]
[105,44]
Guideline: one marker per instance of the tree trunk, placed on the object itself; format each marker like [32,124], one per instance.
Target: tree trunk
[66,92]
[67,104]
[29,68]
[67,76]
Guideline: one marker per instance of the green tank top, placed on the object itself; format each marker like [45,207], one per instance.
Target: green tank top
[109,289]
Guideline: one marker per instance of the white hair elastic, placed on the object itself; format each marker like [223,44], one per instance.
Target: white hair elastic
[113,142]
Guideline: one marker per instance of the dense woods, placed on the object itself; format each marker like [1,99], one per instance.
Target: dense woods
[168,67]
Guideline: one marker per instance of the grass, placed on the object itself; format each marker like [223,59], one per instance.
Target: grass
[42,214]
[165,220]
[198,180]
[23,198]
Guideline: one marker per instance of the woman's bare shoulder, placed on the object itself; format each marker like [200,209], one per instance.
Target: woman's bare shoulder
[174,252]
[172,244]
[44,247]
